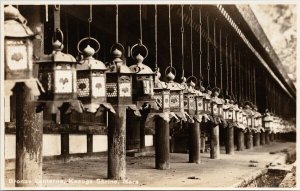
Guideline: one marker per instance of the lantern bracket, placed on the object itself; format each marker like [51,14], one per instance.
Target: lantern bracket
[88,38]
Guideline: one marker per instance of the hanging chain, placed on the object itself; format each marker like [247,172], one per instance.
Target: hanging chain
[231,67]
[227,73]
[221,63]
[90,19]
[235,80]
[215,53]
[208,65]
[182,41]
[239,68]
[254,84]
[200,48]
[155,32]
[192,60]
[46,13]
[170,35]
[117,23]
[141,24]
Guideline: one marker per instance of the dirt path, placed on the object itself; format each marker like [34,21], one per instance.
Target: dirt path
[224,172]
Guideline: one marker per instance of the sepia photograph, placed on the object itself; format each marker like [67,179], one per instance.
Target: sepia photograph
[149,95]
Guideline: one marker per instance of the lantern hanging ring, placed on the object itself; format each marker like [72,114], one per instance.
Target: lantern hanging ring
[171,68]
[116,46]
[139,46]
[58,30]
[192,77]
[88,38]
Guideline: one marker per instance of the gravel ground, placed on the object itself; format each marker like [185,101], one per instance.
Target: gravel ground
[224,172]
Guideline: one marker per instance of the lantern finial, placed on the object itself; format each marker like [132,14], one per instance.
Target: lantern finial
[170,76]
[57,46]
[117,53]
[139,58]
[89,51]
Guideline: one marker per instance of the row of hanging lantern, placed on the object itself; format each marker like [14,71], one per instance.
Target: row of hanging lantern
[65,79]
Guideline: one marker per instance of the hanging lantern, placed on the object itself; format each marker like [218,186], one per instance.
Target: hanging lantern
[119,79]
[189,97]
[18,47]
[200,101]
[57,73]
[161,94]
[143,76]
[91,78]
[176,93]
[249,115]
[267,121]
[229,111]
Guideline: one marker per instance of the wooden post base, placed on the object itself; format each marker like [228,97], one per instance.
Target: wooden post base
[240,142]
[214,143]
[267,137]
[262,138]
[116,169]
[29,139]
[256,139]
[249,140]
[229,140]
[194,142]
[162,144]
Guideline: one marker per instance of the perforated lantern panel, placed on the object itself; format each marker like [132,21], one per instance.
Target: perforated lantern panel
[125,89]
[63,81]
[192,103]
[98,86]
[174,101]
[215,109]
[200,104]
[249,121]
[158,99]
[16,54]
[111,90]
[83,87]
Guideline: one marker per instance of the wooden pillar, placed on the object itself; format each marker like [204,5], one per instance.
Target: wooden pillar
[194,142]
[64,146]
[256,139]
[214,143]
[29,139]
[116,144]
[133,123]
[271,137]
[89,143]
[142,130]
[249,140]
[202,144]
[162,145]
[262,138]
[241,142]
[267,137]
[229,140]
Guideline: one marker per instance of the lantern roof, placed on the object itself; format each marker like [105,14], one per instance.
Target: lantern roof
[15,23]
[140,67]
[89,62]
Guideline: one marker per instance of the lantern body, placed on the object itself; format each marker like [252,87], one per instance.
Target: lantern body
[119,81]
[176,97]
[143,81]
[220,109]
[162,96]
[230,113]
[190,101]
[18,47]
[245,122]
[214,108]
[91,80]
[57,73]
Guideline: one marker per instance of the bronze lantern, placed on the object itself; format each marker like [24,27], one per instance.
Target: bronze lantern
[57,73]
[206,100]
[118,78]
[176,94]
[190,97]
[143,76]
[91,79]
[161,94]
[18,47]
